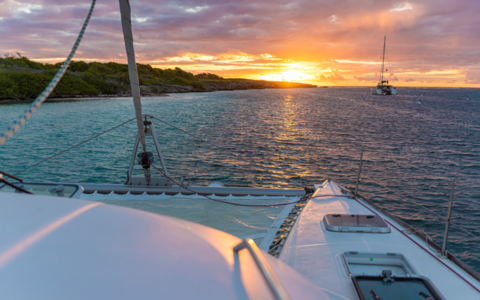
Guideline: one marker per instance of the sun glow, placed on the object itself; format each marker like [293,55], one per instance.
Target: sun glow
[289,75]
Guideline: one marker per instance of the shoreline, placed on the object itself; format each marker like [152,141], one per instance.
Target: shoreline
[71,98]
[56,100]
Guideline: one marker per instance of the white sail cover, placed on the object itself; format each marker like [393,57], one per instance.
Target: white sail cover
[132,66]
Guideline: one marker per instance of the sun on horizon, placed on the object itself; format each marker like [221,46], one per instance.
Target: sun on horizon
[289,75]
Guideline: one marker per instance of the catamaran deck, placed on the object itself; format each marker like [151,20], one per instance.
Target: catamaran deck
[317,253]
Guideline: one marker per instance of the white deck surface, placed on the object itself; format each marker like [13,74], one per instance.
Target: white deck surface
[59,248]
[315,252]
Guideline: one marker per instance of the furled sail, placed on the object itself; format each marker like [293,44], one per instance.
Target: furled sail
[132,67]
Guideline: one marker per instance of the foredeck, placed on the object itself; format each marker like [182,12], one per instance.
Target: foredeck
[317,253]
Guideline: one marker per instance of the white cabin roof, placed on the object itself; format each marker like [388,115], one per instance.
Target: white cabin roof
[59,248]
[316,252]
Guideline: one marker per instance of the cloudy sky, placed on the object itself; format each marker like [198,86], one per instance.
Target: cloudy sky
[325,42]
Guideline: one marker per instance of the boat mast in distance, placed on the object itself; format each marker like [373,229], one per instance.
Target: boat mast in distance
[383,88]
[383,58]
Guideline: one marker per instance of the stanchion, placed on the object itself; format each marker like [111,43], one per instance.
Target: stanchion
[447,221]
[359,171]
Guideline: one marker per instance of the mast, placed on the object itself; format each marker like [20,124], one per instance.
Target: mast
[383,57]
[132,68]
[145,127]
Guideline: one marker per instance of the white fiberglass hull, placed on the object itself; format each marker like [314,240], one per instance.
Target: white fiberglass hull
[324,252]
[383,92]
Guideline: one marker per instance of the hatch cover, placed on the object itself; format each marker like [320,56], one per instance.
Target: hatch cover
[355,223]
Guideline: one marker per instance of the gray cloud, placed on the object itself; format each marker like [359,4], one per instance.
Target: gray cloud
[422,35]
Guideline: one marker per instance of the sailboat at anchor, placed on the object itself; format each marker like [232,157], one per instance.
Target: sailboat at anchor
[383,88]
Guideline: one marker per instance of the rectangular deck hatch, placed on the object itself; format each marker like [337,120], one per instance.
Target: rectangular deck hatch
[355,223]
[398,288]
[373,263]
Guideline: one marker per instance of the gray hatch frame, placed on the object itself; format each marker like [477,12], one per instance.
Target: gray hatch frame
[355,223]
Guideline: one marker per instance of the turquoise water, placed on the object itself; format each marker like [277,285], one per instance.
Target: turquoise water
[412,152]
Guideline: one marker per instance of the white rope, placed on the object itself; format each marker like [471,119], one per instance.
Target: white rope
[48,90]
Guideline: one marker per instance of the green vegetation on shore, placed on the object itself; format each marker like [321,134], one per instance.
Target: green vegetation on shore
[23,79]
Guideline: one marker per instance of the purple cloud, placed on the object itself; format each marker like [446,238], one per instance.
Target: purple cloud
[426,39]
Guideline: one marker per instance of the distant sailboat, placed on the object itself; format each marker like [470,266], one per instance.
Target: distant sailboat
[383,88]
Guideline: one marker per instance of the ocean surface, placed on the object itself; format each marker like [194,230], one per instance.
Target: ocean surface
[412,151]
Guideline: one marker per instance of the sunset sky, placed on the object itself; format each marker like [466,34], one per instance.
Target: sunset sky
[324,42]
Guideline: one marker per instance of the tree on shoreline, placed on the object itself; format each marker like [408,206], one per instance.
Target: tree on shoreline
[22,78]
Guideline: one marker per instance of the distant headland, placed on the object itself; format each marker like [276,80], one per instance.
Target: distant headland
[22,80]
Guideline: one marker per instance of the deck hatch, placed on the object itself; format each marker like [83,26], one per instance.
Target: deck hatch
[400,288]
[355,223]
[373,263]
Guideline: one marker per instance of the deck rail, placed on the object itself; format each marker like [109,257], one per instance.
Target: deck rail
[268,274]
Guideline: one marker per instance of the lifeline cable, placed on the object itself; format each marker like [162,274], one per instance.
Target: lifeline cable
[48,90]
[424,207]
[81,143]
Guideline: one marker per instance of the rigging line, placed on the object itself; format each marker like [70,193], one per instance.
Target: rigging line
[402,195]
[220,147]
[226,202]
[210,143]
[248,205]
[195,137]
[341,177]
[431,211]
[48,90]
[398,193]
[94,137]
[387,58]
[377,149]
[200,139]
[464,240]
[381,150]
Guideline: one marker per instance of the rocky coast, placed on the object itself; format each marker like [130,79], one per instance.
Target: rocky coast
[22,80]
[221,85]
